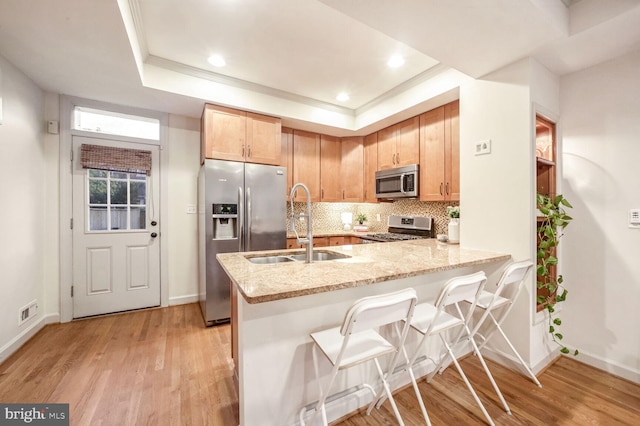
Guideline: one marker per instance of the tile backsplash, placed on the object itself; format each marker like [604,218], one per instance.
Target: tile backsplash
[326,216]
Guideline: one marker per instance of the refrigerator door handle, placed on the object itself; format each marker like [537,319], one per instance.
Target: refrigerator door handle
[240,219]
[249,214]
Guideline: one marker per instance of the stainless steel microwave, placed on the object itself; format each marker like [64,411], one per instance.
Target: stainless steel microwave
[401,182]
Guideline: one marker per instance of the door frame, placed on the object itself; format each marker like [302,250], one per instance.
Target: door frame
[67,105]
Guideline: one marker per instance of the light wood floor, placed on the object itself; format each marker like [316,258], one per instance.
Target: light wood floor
[163,367]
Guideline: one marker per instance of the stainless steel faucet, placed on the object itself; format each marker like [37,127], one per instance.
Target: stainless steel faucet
[308,241]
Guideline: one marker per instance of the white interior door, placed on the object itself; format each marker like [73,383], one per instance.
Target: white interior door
[116,241]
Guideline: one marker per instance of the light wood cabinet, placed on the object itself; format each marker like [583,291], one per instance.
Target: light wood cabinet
[292,243]
[320,241]
[352,169]
[330,158]
[337,241]
[234,135]
[287,156]
[370,148]
[306,163]
[399,145]
[440,154]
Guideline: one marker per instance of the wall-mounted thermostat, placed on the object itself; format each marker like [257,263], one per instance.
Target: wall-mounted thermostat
[52,127]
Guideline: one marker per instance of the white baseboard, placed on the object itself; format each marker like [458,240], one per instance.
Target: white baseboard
[183,300]
[610,367]
[16,343]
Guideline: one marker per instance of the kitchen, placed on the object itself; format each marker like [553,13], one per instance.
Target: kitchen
[496,202]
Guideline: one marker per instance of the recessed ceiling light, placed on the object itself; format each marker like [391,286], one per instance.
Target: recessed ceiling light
[395,61]
[342,97]
[217,61]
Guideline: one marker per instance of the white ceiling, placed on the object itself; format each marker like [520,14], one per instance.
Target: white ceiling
[290,58]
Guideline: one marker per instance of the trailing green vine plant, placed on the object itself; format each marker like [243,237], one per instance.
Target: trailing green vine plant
[554,220]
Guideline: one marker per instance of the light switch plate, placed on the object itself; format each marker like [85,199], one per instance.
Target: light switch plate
[634,218]
[483,147]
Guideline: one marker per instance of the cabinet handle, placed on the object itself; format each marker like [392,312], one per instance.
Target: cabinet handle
[398,158]
[447,188]
[441,189]
[343,194]
[249,154]
[393,159]
[322,194]
[243,150]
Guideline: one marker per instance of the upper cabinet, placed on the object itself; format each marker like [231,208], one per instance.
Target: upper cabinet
[330,157]
[351,169]
[399,145]
[370,148]
[306,163]
[287,156]
[231,134]
[440,154]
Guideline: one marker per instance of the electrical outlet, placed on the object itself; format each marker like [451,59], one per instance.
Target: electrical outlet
[27,312]
[191,209]
[483,147]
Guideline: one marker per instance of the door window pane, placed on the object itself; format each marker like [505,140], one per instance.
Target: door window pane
[138,217]
[117,201]
[118,192]
[98,218]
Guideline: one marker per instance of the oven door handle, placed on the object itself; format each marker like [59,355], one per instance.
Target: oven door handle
[402,183]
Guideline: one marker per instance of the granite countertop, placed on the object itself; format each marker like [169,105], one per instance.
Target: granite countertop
[368,264]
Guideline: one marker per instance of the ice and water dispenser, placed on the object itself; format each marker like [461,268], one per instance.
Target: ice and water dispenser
[225,221]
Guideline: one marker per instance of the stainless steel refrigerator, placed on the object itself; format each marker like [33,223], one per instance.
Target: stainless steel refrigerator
[241,207]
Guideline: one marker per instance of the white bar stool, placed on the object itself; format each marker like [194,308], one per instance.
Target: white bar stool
[433,319]
[358,341]
[507,290]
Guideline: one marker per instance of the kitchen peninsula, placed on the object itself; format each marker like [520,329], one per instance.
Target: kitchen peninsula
[280,304]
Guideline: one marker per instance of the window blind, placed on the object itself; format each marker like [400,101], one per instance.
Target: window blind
[115,159]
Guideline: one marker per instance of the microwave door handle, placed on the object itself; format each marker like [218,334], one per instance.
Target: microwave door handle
[402,183]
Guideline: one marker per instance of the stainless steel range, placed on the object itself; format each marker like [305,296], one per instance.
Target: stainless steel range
[402,228]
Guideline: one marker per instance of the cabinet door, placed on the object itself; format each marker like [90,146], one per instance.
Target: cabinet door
[452,151]
[387,148]
[223,133]
[330,169]
[370,167]
[286,159]
[263,145]
[351,169]
[408,142]
[306,163]
[432,151]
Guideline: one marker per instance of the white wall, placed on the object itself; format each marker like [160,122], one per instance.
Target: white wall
[23,186]
[498,190]
[600,254]
[29,217]
[184,164]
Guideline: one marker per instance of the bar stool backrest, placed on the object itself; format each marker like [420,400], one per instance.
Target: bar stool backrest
[457,290]
[509,286]
[375,311]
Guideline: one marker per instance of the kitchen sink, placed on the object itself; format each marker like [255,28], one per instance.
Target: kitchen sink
[317,256]
[266,260]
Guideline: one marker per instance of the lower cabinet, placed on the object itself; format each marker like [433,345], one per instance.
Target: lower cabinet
[292,243]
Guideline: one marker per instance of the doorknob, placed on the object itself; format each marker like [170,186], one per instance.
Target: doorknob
[154,234]
[154,223]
